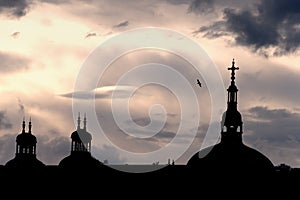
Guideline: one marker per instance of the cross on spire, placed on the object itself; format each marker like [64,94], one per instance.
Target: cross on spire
[233,68]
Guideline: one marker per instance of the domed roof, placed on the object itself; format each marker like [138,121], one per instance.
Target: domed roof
[81,160]
[26,138]
[81,135]
[229,157]
[25,161]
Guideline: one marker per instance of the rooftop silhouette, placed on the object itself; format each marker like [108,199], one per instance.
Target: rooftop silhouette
[231,154]
[80,148]
[25,150]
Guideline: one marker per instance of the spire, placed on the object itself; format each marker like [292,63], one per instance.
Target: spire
[78,121]
[232,124]
[233,68]
[232,89]
[23,125]
[30,125]
[84,122]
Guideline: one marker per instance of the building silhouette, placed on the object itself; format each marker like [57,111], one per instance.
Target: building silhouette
[25,156]
[80,148]
[231,154]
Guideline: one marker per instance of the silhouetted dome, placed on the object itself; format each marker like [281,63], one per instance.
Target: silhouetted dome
[81,135]
[26,138]
[80,149]
[80,159]
[25,161]
[231,157]
[25,150]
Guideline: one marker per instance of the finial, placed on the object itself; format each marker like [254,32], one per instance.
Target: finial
[23,125]
[30,125]
[233,68]
[78,121]
[84,122]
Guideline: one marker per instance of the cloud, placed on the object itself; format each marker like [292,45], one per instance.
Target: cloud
[271,28]
[12,62]
[91,34]
[260,112]
[4,121]
[51,150]
[108,153]
[278,87]
[14,8]
[101,93]
[275,132]
[15,34]
[21,107]
[7,147]
[215,30]
[122,24]
[201,6]
[178,2]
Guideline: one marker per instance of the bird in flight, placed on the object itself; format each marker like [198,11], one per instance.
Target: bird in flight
[199,83]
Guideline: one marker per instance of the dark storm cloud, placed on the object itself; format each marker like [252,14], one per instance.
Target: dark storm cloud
[275,125]
[274,132]
[271,24]
[215,30]
[4,121]
[122,24]
[14,8]
[12,63]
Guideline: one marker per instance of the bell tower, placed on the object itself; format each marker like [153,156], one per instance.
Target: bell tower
[232,124]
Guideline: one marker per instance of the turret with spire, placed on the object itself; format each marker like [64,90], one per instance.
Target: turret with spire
[232,124]
[25,149]
[81,139]
[80,148]
[231,154]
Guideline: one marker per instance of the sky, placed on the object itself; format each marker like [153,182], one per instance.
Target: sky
[45,46]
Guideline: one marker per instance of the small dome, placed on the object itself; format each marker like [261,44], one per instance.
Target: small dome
[81,135]
[26,139]
[232,118]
